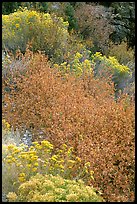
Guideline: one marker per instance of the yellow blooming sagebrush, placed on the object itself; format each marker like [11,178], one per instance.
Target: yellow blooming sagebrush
[49,188]
[110,65]
[6,125]
[42,158]
[77,66]
[12,196]
[31,26]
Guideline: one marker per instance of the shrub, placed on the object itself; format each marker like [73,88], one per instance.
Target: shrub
[111,67]
[79,66]
[10,7]
[81,112]
[69,11]
[76,45]
[121,53]
[65,10]
[21,162]
[50,188]
[8,135]
[45,32]
[94,24]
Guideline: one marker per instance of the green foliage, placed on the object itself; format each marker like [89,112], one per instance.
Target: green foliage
[124,22]
[9,7]
[45,32]
[50,188]
[69,11]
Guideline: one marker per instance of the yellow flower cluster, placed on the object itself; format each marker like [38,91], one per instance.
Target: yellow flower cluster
[77,67]
[5,125]
[111,62]
[17,25]
[12,196]
[119,67]
[21,177]
[49,188]
[26,25]
[40,158]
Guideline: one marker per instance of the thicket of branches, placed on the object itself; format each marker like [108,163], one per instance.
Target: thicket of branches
[81,112]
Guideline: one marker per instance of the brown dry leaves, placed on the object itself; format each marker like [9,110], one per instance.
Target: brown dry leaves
[81,113]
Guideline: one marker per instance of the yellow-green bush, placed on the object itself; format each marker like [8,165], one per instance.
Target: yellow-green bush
[46,32]
[5,125]
[121,53]
[49,188]
[76,66]
[21,162]
[7,133]
[5,129]
[109,66]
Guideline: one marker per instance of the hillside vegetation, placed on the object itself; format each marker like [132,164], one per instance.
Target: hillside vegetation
[72,89]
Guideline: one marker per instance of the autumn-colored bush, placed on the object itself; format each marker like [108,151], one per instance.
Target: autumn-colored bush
[94,25]
[81,112]
[49,188]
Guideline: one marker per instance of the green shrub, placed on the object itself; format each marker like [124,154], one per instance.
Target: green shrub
[65,10]
[69,11]
[45,32]
[49,188]
[10,7]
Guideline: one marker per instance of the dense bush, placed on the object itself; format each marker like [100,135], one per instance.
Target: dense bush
[81,112]
[124,22]
[21,162]
[46,32]
[111,67]
[78,66]
[10,7]
[94,25]
[50,188]
[122,53]
[65,10]
[43,158]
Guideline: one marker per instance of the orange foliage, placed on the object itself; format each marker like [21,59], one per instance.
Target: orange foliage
[82,113]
